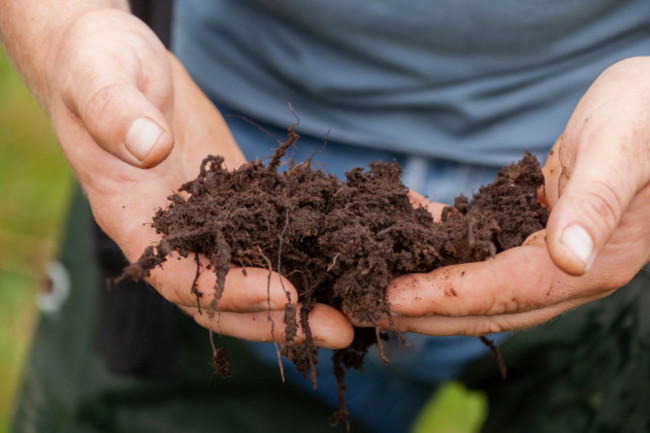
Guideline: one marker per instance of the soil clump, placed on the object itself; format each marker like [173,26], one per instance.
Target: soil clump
[338,242]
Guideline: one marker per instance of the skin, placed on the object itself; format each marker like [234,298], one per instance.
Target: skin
[95,69]
[596,175]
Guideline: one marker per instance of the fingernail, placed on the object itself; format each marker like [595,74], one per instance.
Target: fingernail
[141,137]
[579,242]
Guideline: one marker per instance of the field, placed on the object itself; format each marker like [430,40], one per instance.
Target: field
[34,185]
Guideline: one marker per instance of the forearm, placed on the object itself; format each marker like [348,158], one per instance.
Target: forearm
[30,31]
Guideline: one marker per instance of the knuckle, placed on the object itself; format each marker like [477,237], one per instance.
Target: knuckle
[503,306]
[496,306]
[602,206]
[97,106]
[409,326]
[485,326]
[484,308]
[496,325]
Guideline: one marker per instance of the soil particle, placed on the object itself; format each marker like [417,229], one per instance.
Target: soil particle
[338,242]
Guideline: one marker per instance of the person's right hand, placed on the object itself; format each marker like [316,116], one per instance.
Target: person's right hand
[134,127]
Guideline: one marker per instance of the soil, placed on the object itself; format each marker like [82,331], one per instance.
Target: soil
[338,242]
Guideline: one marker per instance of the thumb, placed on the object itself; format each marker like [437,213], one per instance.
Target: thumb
[124,122]
[594,194]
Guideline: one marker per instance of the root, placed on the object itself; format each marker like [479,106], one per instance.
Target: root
[382,356]
[195,290]
[251,122]
[309,347]
[220,361]
[341,413]
[279,153]
[497,356]
[268,316]
[291,329]
[221,268]
[331,266]
[391,323]
[280,240]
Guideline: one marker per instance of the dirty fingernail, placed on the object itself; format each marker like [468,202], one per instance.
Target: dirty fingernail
[141,137]
[576,238]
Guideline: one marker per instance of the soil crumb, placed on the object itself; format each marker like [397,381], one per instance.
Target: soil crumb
[339,242]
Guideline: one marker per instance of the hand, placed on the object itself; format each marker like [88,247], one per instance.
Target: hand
[120,102]
[597,185]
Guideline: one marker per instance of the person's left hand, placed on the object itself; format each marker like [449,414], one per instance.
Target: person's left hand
[597,185]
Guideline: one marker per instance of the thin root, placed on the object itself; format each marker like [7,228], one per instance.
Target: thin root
[497,356]
[195,290]
[382,356]
[269,318]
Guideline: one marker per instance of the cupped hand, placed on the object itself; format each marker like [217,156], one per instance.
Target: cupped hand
[134,127]
[597,185]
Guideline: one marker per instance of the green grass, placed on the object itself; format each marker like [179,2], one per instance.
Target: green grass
[34,186]
[453,409]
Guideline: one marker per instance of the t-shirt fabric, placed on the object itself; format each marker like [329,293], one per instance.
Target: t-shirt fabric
[464,80]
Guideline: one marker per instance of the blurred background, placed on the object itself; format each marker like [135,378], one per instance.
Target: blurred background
[35,182]
[34,186]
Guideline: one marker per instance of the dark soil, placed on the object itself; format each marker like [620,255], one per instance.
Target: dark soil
[338,242]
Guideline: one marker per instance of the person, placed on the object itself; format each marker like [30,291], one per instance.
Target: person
[451,89]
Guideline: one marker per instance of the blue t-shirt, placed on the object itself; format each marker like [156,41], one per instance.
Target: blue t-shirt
[465,80]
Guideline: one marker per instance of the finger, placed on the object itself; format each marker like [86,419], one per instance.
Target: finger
[535,239]
[245,289]
[595,187]
[124,122]
[552,171]
[329,328]
[517,280]
[484,325]
[434,208]
[121,96]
